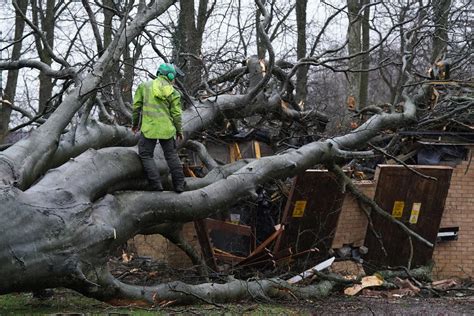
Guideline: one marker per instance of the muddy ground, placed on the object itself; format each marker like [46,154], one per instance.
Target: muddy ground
[401,306]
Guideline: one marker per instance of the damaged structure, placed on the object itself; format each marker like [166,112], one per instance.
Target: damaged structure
[315,219]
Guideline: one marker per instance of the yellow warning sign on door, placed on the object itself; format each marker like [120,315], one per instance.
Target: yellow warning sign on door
[298,211]
[415,213]
[397,210]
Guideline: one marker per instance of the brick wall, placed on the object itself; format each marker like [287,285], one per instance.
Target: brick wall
[352,224]
[456,258]
[159,248]
[452,258]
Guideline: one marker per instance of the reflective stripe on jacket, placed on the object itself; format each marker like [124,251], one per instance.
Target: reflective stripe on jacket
[158,105]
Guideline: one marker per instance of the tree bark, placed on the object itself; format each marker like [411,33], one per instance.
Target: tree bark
[354,47]
[302,74]
[365,64]
[261,50]
[47,27]
[441,10]
[188,41]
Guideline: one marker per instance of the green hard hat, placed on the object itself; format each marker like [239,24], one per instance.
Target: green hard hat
[167,70]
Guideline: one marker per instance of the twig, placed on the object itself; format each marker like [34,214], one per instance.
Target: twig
[410,258]
[198,297]
[468,164]
[371,226]
[402,163]
[203,154]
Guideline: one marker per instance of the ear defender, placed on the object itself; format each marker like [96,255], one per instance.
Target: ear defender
[167,70]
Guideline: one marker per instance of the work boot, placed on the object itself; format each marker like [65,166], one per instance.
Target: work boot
[156,187]
[179,188]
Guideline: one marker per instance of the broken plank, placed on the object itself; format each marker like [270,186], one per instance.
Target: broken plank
[257,257]
[205,243]
[319,267]
[225,256]
[278,230]
[213,224]
[297,255]
[368,281]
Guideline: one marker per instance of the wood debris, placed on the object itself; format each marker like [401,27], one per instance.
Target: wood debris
[368,281]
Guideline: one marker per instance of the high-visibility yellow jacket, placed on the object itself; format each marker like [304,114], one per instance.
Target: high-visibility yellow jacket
[157,109]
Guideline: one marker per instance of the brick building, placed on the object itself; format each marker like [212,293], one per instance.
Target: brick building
[456,257]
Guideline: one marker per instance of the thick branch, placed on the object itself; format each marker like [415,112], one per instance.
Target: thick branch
[66,73]
[210,293]
[203,154]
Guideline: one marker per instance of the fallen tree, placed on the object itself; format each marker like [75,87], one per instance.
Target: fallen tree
[70,198]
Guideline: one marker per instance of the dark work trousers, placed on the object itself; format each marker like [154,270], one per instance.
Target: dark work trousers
[146,147]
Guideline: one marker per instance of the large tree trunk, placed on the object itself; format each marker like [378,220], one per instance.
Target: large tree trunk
[354,47]
[12,77]
[440,36]
[188,41]
[302,74]
[47,27]
[365,45]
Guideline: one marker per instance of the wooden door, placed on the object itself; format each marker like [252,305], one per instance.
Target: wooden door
[415,201]
[312,212]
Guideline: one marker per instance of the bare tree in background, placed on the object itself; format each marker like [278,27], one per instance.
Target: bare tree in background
[12,77]
[302,75]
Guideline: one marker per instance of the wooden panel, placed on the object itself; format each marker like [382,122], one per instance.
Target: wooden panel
[228,257]
[312,212]
[236,229]
[206,247]
[401,193]
[233,238]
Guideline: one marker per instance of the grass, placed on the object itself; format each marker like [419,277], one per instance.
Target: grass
[63,302]
[69,302]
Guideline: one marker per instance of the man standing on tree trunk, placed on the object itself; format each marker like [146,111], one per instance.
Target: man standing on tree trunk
[157,114]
